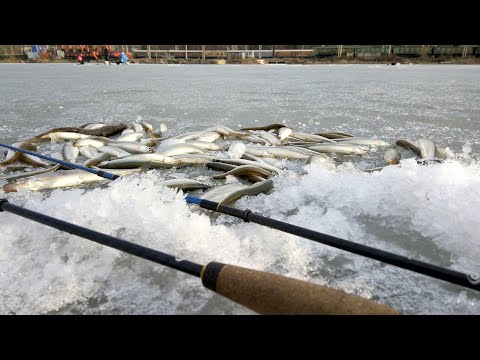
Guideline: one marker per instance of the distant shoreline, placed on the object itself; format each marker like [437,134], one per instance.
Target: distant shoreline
[386,60]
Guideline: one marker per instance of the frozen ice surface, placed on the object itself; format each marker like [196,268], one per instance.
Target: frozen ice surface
[427,212]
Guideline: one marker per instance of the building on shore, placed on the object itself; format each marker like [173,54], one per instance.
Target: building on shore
[205,52]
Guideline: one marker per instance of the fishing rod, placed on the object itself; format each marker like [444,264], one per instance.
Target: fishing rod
[403,262]
[421,267]
[100,173]
[262,292]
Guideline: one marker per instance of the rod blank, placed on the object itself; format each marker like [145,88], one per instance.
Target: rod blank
[403,262]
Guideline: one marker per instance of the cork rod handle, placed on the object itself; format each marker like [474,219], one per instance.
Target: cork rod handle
[271,294]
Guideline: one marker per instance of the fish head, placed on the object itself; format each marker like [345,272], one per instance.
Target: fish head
[392,156]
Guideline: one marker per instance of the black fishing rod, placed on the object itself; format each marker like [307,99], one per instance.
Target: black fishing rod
[262,292]
[403,262]
[100,173]
[421,267]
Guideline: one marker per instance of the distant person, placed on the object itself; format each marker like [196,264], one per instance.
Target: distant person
[106,53]
[123,59]
[81,58]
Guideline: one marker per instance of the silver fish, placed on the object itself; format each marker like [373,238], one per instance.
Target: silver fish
[209,136]
[192,159]
[252,158]
[335,135]
[131,147]
[188,135]
[32,160]
[408,144]
[150,141]
[127,131]
[339,149]
[93,126]
[97,159]
[13,156]
[88,151]
[254,139]
[392,156]
[114,151]
[272,139]
[284,132]
[184,184]
[179,149]
[303,150]
[228,193]
[311,137]
[63,135]
[65,179]
[362,141]
[137,160]
[133,136]
[149,129]
[137,127]
[146,126]
[204,145]
[31,173]
[70,152]
[226,131]
[244,170]
[95,142]
[275,151]
[427,149]
[220,166]
[263,165]
[227,167]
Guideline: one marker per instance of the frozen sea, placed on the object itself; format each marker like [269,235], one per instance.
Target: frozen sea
[426,212]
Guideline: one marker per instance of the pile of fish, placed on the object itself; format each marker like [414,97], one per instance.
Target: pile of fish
[246,159]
